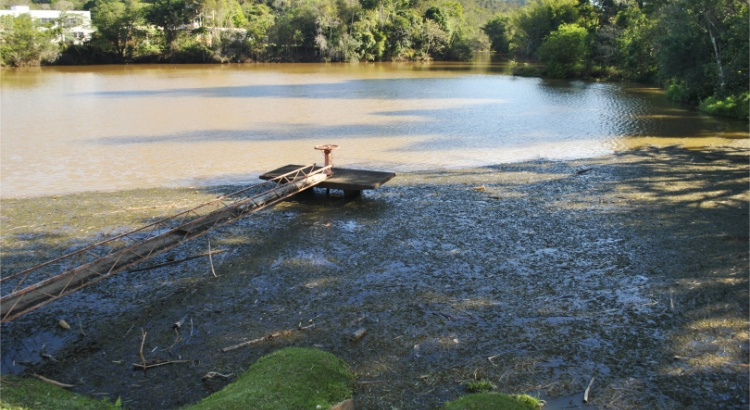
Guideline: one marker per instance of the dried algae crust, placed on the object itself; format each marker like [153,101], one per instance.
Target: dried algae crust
[535,276]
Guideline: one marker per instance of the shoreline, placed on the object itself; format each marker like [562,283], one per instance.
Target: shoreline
[536,276]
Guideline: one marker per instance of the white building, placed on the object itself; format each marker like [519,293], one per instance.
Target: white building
[77,22]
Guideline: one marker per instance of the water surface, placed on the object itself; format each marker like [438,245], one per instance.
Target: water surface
[69,129]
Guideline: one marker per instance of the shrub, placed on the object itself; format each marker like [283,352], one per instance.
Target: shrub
[734,106]
[564,51]
[23,44]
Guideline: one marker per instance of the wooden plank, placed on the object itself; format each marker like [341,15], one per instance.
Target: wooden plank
[343,178]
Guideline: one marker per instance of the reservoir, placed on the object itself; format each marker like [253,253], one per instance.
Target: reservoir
[75,129]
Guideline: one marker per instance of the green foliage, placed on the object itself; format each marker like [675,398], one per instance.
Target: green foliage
[291,378]
[169,15]
[23,44]
[187,49]
[564,51]
[534,22]
[635,54]
[461,49]
[733,106]
[703,46]
[494,401]
[678,92]
[26,394]
[498,30]
[117,24]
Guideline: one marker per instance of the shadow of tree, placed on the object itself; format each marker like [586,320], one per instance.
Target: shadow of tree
[691,208]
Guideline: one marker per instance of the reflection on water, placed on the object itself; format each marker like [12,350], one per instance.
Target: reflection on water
[70,129]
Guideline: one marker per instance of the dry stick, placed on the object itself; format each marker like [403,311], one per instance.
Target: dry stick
[211,375]
[143,358]
[148,366]
[129,329]
[210,258]
[266,338]
[586,393]
[53,382]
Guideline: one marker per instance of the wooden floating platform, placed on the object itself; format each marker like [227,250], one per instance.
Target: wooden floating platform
[351,181]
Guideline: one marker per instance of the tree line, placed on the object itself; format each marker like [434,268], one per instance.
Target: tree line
[278,30]
[696,49]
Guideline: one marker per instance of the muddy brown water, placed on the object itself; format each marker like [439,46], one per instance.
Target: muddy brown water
[129,127]
[536,276]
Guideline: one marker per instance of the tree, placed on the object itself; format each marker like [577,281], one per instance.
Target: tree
[117,23]
[564,52]
[260,19]
[23,44]
[537,20]
[170,15]
[636,57]
[497,30]
[703,48]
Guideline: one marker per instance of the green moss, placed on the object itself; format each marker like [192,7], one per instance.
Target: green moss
[494,401]
[25,393]
[291,378]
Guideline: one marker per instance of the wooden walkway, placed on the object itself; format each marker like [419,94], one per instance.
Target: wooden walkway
[105,259]
[351,181]
[69,273]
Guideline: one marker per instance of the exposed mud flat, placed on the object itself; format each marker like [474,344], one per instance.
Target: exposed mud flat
[537,276]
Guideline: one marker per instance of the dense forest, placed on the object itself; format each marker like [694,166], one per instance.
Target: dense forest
[696,49]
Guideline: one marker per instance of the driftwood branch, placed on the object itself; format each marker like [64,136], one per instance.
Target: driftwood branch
[52,382]
[211,375]
[586,393]
[211,259]
[270,336]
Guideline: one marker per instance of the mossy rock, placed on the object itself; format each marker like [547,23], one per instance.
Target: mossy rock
[493,401]
[291,378]
[26,393]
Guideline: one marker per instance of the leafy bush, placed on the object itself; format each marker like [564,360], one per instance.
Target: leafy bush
[734,106]
[191,52]
[679,92]
[564,51]
[23,44]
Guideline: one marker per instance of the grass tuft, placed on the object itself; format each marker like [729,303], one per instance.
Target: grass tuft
[494,401]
